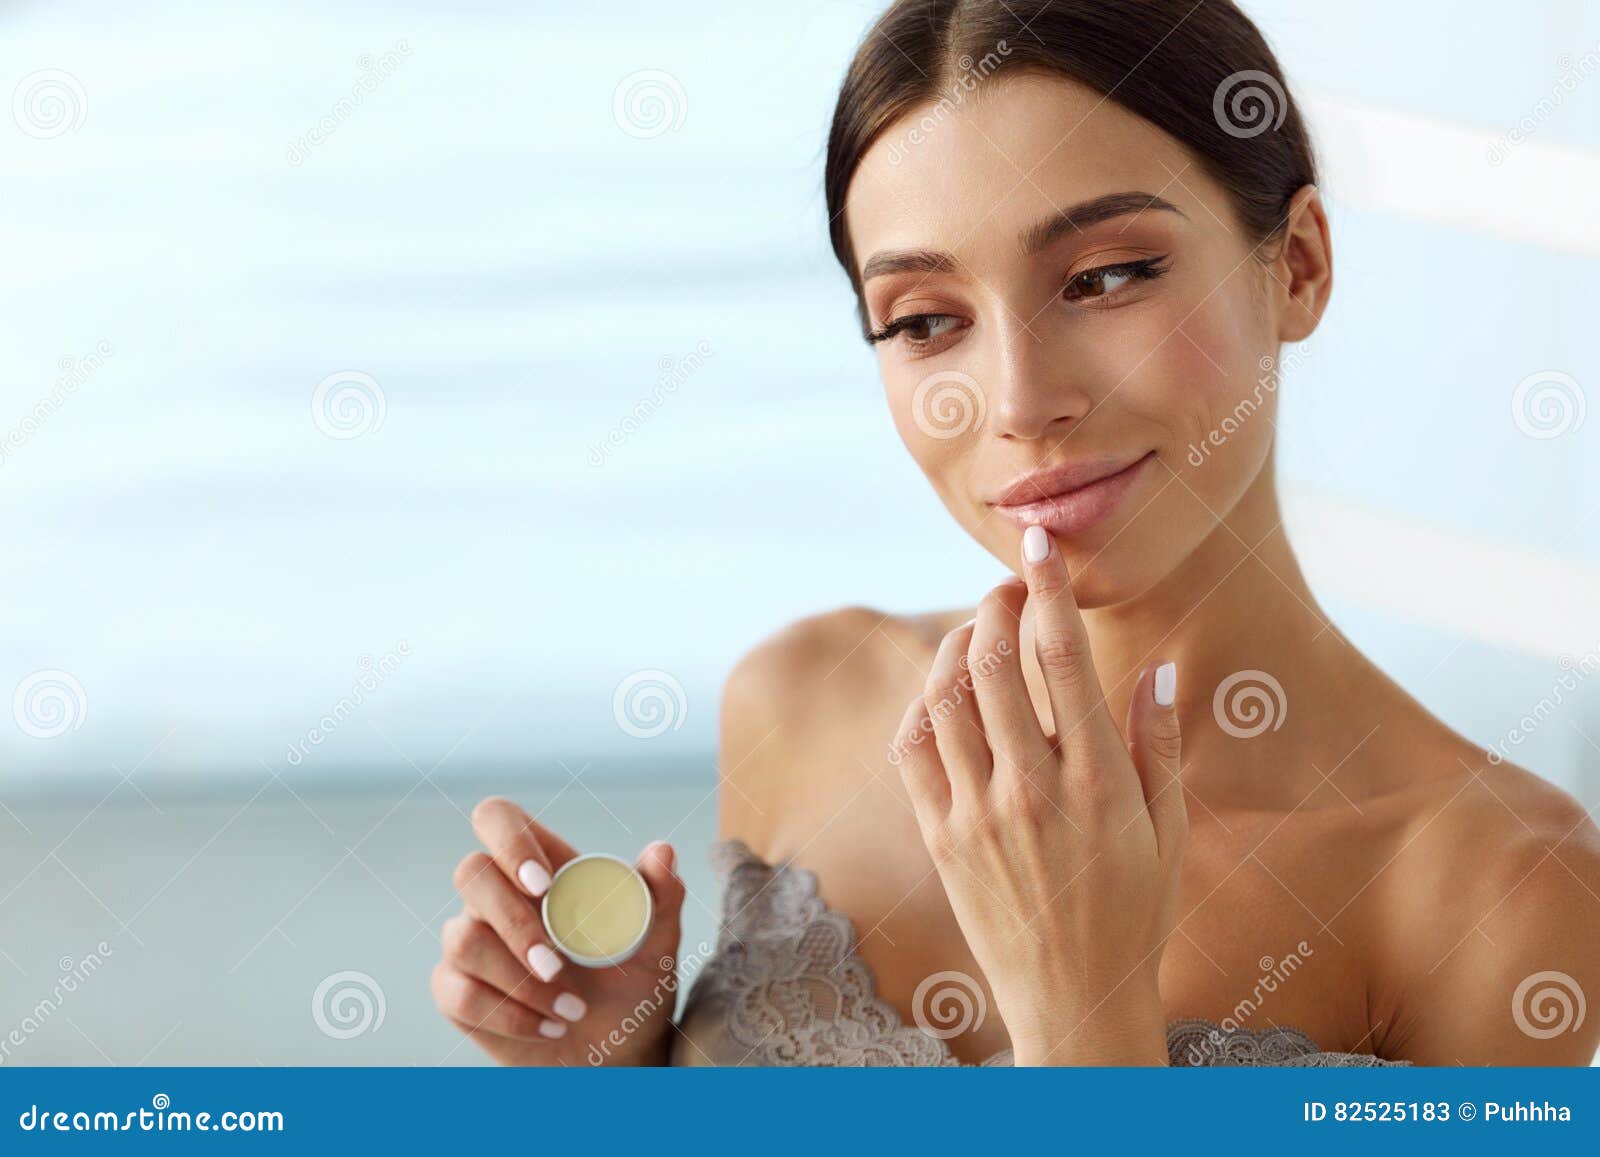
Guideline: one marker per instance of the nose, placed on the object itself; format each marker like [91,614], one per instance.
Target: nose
[1032,391]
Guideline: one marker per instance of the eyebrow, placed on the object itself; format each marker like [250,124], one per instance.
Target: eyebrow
[1051,229]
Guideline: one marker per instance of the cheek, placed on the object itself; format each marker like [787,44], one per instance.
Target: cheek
[939,417]
[1208,385]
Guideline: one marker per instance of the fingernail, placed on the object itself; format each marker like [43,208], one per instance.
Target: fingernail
[545,963]
[1035,545]
[1012,580]
[553,1029]
[570,1007]
[1166,684]
[972,622]
[668,856]
[533,877]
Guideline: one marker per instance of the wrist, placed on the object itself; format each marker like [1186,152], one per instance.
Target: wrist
[1128,1028]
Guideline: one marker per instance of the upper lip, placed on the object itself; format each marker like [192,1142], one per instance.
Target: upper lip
[1053,481]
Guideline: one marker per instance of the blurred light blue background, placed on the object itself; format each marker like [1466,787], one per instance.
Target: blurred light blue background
[513,233]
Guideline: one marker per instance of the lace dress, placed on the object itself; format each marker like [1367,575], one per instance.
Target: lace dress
[785,987]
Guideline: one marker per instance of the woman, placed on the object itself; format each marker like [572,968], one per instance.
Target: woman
[1144,804]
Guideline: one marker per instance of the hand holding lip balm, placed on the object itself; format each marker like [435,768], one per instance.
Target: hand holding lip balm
[553,950]
[597,910]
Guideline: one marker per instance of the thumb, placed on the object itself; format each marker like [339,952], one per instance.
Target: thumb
[657,864]
[1156,745]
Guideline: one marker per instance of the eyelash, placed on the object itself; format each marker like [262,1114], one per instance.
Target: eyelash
[1145,269]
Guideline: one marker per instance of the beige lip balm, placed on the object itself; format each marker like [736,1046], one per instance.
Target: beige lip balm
[597,910]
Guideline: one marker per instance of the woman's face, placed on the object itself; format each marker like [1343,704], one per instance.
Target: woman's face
[1073,330]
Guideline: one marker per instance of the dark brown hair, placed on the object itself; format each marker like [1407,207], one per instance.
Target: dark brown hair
[1197,69]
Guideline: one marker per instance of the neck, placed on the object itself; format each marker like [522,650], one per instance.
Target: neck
[1239,602]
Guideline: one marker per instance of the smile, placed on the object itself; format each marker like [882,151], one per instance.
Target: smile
[1071,499]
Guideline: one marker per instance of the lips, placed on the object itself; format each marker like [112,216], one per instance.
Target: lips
[1070,499]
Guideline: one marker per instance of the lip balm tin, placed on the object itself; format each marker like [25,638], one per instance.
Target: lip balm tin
[597,910]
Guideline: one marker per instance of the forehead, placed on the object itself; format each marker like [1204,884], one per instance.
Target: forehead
[981,166]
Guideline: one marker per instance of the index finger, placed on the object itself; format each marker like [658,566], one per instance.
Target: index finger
[523,848]
[1077,701]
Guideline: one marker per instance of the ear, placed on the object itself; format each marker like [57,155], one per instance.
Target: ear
[1303,268]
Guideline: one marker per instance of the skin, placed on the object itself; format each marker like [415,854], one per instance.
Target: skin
[1018,818]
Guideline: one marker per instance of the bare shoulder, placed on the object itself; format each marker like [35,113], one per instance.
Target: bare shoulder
[1495,891]
[805,712]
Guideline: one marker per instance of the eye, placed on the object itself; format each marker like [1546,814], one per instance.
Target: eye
[1108,279]
[919,328]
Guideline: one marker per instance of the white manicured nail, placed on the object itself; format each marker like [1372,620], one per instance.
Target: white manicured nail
[553,1029]
[533,877]
[1035,545]
[570,1007]
[1166,684]
[545,963]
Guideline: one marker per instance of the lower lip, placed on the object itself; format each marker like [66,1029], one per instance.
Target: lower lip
[1080,509]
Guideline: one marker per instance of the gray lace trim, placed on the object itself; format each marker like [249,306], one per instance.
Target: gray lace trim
[785,987]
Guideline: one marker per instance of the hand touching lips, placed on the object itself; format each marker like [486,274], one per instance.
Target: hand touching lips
[1060,855]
